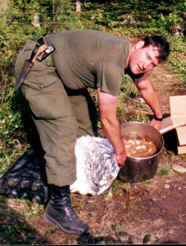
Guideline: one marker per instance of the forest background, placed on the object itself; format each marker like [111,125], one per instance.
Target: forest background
[21,20]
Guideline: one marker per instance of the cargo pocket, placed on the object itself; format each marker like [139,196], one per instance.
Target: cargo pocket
[48,101]
[41,76]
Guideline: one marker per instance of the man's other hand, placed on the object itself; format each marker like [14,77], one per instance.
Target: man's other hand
[156,124]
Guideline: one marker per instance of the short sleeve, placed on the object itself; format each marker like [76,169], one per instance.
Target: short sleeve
[109,78]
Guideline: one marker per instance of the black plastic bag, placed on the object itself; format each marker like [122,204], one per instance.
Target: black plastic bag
[26,179]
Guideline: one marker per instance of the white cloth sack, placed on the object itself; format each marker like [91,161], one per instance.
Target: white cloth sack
[95,164]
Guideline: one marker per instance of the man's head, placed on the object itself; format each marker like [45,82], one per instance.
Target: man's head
[147,53]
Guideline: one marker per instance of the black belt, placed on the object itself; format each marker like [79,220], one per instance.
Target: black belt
[40,52]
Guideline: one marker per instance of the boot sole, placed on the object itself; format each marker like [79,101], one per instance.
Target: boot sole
[50,219]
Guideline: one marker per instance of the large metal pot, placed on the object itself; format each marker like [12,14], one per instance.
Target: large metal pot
[137,169]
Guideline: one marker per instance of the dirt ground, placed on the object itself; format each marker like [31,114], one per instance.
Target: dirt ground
[150,212]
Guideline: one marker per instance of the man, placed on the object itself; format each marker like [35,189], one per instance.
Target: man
[56,90]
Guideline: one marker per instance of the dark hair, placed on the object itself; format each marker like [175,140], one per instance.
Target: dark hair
[161,43]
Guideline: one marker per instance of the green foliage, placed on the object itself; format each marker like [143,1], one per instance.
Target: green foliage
[15,228]
[164,170]
[129,87]
[178,64]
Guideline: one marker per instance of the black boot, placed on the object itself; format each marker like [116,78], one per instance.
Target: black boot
[60,211]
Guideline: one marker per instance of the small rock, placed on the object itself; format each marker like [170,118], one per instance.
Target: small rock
[178,168]
[167,186]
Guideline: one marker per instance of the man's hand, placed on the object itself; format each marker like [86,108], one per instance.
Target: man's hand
[156,124]
[120,158]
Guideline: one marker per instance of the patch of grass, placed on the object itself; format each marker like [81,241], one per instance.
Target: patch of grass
[177,61]
[147,182]
[35,210]
[163,171]
[14,229]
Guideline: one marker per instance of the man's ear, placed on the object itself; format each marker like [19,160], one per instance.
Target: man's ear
[139,44]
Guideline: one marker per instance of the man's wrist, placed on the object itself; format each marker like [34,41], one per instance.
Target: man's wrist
[158,118]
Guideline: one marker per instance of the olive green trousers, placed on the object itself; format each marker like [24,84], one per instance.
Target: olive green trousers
[60,115]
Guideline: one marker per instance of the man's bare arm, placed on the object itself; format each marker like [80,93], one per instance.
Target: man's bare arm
[148,93]
[111,127]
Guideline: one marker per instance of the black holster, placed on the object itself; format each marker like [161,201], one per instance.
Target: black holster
[29,62]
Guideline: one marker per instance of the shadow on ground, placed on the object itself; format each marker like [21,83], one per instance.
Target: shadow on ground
[14,229]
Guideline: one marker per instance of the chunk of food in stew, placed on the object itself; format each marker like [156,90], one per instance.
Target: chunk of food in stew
[139,146]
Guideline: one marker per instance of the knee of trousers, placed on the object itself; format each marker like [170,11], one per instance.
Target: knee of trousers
[58,139]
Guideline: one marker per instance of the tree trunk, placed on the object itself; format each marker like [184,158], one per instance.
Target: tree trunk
[35,21]
[4,5]
[78,6]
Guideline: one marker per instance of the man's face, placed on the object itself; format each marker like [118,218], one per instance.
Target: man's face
[143,59]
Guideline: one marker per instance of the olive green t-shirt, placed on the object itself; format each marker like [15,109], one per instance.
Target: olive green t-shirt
[90,59]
